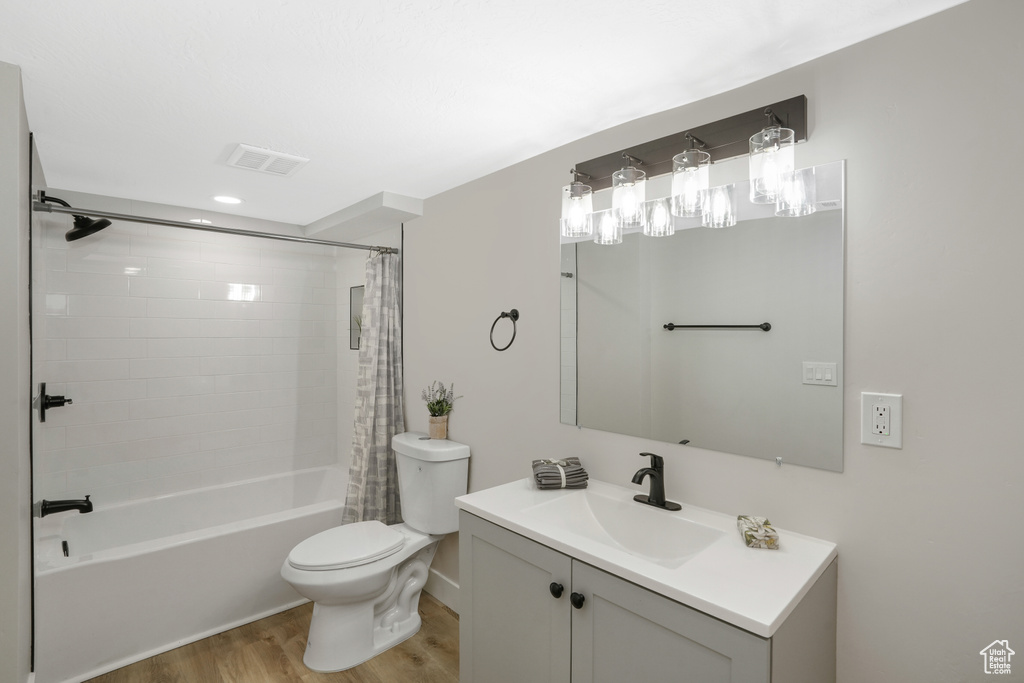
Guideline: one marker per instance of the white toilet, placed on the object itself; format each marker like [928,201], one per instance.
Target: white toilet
[365,578]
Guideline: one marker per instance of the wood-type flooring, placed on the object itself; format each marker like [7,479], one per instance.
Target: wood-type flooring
[270,650]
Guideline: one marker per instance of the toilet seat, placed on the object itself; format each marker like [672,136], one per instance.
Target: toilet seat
[349,545]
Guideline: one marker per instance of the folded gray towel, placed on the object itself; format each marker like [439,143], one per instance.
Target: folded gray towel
[566,473]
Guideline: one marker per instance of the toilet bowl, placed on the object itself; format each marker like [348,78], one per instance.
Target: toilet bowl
[365,578]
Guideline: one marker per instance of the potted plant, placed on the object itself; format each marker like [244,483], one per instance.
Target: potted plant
[440,401]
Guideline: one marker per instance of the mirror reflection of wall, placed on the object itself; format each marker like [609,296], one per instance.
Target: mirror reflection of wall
[739,391]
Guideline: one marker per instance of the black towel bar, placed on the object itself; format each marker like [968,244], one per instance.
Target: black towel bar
[673,326]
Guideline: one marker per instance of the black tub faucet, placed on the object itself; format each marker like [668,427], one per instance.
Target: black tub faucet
[49,507]
[657,474]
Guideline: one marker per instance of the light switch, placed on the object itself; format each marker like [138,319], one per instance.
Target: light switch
[821,373]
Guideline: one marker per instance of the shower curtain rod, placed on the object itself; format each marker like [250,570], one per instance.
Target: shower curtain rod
[43,206]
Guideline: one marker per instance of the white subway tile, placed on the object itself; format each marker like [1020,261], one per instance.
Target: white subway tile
[106,432]
[230,328]
[233,255]
[301,278]
[179,386]
[52,485]
[240,274]
[163,288]
[94,349]
[50,349]
[178,308]
[229,365]
[56,304]
[174,348]
[229,384]
[229,438]
[301,345]
[119,390]
[147,488]
[296,328]
[145,368]
[149,408]
[87,306]
[180,270]
[240,310]
[328,297]
[87,283]
[238,346]
[85,370]
[165,328]
[287,294]
[111,264]
[230,291]
[107,475]
[85,328]
[239,400]
[161,247]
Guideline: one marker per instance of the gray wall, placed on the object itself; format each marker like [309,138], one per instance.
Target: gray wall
[929,567]
[15,509]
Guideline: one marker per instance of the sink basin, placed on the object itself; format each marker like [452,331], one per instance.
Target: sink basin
[659,536]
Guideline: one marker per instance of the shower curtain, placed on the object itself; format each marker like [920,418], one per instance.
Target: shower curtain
[373,477]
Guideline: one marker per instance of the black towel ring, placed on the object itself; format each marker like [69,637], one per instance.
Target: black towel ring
[514,315]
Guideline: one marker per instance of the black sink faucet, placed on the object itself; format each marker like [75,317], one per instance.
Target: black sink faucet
[657,474]
[49,507]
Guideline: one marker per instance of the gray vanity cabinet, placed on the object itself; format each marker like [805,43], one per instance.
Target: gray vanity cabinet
[513,629]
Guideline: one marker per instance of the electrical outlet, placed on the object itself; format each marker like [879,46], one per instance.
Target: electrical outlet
[881,420]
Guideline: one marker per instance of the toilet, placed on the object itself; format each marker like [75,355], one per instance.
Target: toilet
[365,578]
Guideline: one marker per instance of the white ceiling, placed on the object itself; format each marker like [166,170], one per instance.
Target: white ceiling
[146,100]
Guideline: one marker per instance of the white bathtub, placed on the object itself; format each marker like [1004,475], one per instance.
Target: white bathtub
[147,576]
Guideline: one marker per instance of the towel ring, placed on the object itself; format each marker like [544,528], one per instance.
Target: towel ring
[514,316]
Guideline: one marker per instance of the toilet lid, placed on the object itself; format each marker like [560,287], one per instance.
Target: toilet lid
[349,545]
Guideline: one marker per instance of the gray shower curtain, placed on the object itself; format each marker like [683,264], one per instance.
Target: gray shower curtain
[373,478]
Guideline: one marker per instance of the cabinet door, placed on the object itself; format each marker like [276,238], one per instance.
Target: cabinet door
[627,633]
[511,628]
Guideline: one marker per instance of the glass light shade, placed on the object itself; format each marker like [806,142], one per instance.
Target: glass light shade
[771,156]
[577,207]
[658,218]
[689,182]
[798,193]
[607,227]
[629,190]
[720,208]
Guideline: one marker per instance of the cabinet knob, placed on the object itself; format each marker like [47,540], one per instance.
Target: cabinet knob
[556,589]
[577,600]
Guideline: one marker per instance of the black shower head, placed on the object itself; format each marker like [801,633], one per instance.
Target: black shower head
[84,227]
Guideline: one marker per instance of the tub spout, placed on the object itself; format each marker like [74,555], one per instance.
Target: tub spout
[48,507]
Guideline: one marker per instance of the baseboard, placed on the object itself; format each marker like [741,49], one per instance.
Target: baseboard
[444,589]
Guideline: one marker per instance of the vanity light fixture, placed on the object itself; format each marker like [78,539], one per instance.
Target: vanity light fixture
[720,208]
[690,179]
[577,207]
[607,227]
[771,159]
[774,178]
[629,193]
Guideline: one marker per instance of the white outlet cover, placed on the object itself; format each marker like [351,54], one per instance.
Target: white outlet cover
[868,401]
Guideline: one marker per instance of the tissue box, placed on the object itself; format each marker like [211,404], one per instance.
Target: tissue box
[757,532]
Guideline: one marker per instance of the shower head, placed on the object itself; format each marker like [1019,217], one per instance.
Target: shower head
[84,226]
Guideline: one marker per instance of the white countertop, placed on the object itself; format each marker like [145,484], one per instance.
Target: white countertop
[754,589]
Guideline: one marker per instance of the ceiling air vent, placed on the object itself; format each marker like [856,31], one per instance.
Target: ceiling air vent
[266,160]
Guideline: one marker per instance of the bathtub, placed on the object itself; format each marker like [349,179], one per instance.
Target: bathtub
[148,576]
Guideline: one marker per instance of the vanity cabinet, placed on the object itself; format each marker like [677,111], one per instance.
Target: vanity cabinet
[517,627]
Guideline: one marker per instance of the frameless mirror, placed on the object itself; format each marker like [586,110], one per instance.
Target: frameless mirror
[647,344]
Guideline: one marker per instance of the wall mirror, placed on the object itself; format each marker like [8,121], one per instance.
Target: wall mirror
[355,316]
[766,394]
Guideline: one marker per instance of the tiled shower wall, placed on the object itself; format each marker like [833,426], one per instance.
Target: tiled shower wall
[192,358]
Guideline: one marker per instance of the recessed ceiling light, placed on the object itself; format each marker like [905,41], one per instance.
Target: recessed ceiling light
[203,221]
[225,199]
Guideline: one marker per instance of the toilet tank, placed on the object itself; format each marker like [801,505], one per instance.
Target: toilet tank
[432,473]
